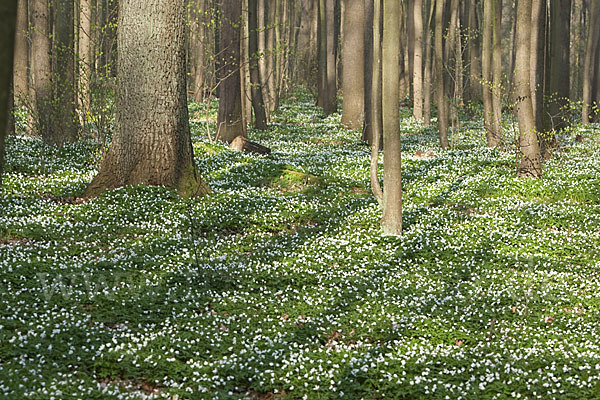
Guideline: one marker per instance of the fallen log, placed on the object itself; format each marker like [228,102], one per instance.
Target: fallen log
[241,143]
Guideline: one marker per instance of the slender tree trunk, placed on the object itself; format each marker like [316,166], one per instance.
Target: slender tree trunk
[474,45]
[497,70]
[559,89]
[270,13]
[440,86]
[20,85]
[260,117]
[406,10]
[428,73]
[490,50]
[85,56]
[40,57]
[392,163]
[264,51]
[529,165]
[198,43]
[230,121]
[353,55]
[537,63]
[367,134]
[245,94]
[376,100]
[511,49]
[307,45]
[64,125]
[152,143]
[331,100]
[593,37]
[322,95]
[418,60]
[8,10]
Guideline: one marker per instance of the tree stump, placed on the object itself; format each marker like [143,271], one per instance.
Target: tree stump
[241,143]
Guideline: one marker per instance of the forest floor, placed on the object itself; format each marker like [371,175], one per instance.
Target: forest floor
[280,285]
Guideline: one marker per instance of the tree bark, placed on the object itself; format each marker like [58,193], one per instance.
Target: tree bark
[353,55]
[331,100]
[151,143]
[428,73]
[593,36]
[198,47]
[391,221]
[85,55]
[40,57]
[529,163]
[440,86]
[258,104]
[474,46]
[367,134]
[559,86]
[538,61]
[8,11]
[63,117]
[230,122]
[497,71]
[376,102]
[307,49]
[20,84]
[487,61]
[418,60]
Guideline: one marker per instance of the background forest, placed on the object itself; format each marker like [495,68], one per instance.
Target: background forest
[261,199]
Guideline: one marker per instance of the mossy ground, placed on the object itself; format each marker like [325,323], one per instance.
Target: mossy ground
[280,285]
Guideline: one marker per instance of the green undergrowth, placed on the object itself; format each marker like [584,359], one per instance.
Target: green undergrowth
[280,284]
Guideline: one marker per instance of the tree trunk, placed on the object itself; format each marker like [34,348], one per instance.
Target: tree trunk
[497,71]
[593,36]
[245,83]
[230,123]
[418,60]
[488,69]
[270,53]
[331,100]
[20,84]
[392,163]
[440,86]
[558,87]
[529,165]
[428,74]
[367,134]
[353,57]
[85,56]
[63,117]
[258,104]
[40,57]
[8,10]
[151,143]
[307,53]
[376,101]
[538,61]
[474,46]
[198,47]
[322,50]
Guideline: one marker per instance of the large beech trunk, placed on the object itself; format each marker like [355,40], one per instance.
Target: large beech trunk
[353,55]
[40,59]
[230,121]
[392,163]
[151,144]
[529,163]
[8,10]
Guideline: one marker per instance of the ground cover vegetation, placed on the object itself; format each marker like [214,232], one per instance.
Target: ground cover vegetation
[279,284]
